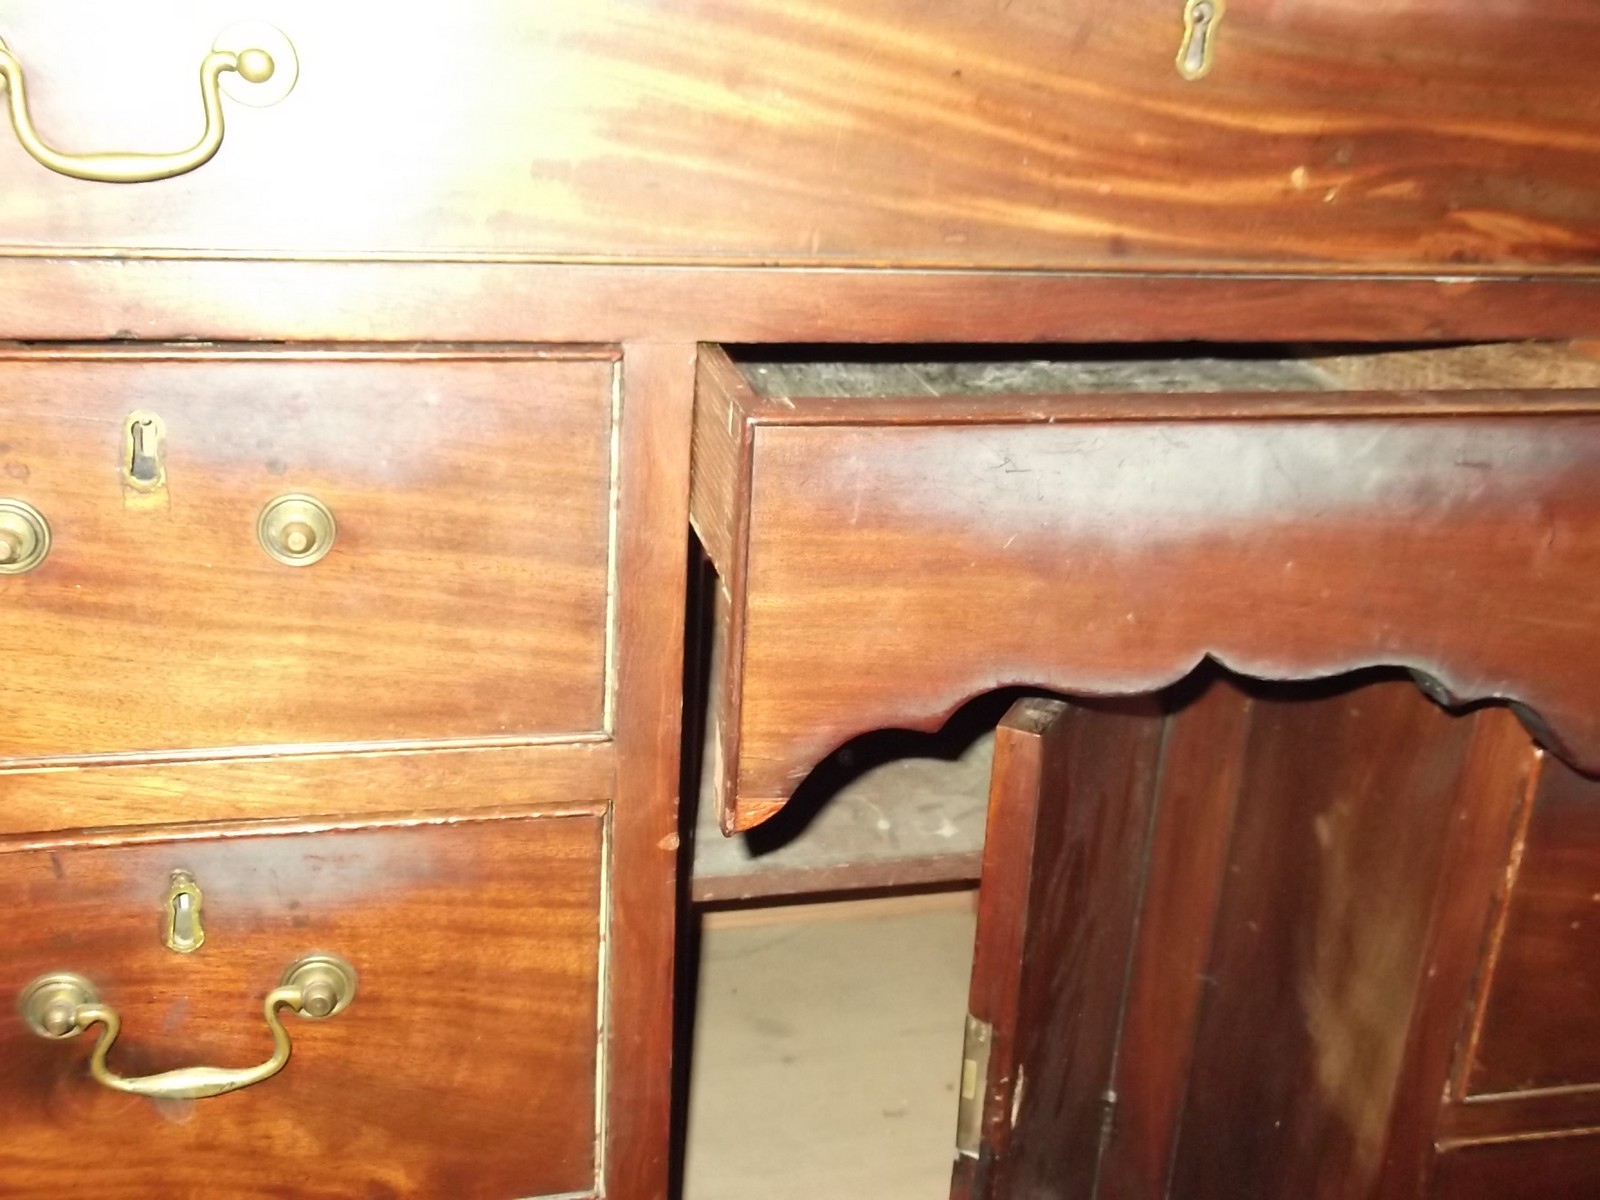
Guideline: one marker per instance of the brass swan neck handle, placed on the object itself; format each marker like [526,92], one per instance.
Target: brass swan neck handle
[64,1005]
[265,61]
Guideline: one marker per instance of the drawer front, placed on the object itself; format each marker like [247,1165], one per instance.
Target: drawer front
[903,132]
[463,1066]
[884,561]
[1539,1026]
[464,595]
[47,799]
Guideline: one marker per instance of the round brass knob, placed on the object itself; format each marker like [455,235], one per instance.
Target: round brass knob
[318,998]
[49,1005]
[256,66]
[24,537]
[327,985]
[296,530]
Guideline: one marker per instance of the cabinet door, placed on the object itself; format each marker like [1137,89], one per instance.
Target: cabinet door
[1068,821]
[1227,938]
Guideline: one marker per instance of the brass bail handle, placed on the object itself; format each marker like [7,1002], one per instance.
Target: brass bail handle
[260,58]
[64,1005]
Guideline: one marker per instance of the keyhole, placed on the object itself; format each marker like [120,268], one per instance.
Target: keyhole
[183,919]
[184,934]
[143,467]
[143,444]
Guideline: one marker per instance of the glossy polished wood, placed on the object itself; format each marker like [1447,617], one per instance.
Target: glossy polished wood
[1028,751]
[884,132]
[1069,819]
[1317,954]
[1202,758]
[466,595]
[465,1066]
[652,175]
[55,798]
[1498,777]
[645,891]
[1289,537]
[321,301]
[1540,1024]
[1231,944]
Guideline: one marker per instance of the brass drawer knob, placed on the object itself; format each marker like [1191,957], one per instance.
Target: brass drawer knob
[260,58]
[297,530]
[63,1005]
[24,537]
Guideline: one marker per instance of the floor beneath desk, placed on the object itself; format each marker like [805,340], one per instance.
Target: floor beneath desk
[827,1050]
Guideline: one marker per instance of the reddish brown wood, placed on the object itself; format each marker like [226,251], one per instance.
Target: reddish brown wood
[1318,902]
[1071,804]
[1202,756]
[658,388]
[1520,1114]
[1549,1168]
[465,1066]
[1029,746]
[721,456]
[319,301]
[1540,1027]
[354,781]
[465,595]
[737,170]
[883,132]
[1496,792]
[1306,540]
[1318,958]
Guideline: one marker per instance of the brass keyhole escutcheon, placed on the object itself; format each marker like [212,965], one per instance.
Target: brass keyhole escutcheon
[185,929]
[297,530]
[24,537]
[1198,48]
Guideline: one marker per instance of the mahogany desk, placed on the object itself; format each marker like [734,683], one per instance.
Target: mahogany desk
[346,472]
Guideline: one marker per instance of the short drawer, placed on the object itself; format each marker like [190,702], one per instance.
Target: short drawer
[461,1063]
[183,604]
[1069,134]
[893,539]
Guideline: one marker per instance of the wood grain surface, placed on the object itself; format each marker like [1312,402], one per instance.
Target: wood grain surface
[887,132]
[1030,745]
[1231,940]
[1318,953]
[57,798]
[1070,810]
[465,596]
[464,1067]
[646,890]
[1452,534]
[1202,756]
[1540,1024]
[422,301]
[1548,1168]
[1499,776]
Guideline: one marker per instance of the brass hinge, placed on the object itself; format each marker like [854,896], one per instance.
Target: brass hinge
[974,1086]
